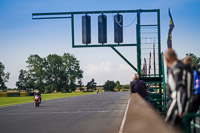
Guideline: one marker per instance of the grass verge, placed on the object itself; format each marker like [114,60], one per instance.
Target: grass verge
[7,101]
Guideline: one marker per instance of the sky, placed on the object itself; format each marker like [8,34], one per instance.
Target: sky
[20,36]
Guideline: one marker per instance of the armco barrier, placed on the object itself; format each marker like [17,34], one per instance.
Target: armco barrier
[3,94]
[14,94]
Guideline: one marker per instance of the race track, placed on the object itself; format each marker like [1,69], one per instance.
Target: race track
[95,113]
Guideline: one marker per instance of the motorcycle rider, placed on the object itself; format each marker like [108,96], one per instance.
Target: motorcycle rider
[39,94]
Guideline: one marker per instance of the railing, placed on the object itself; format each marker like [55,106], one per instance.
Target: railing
[191,123]
[157,92]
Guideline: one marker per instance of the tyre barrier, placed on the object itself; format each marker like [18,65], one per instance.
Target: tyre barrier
[13,94]
[3,94]
[23,94]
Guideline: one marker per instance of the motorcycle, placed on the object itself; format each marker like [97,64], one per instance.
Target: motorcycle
[37,100]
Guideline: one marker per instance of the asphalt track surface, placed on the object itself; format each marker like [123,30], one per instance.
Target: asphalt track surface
[95,113]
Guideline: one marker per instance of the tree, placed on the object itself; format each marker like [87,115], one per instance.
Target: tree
[109,85]
[126,87]
[71,68]
[195,59]
[3,76]
[30,80]
[54,72]
[22,83]
[36,68]
[91,85]
[118,86]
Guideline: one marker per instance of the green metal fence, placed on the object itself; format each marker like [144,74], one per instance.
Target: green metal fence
[191,123]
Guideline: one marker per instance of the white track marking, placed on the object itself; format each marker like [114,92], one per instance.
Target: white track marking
[124,119]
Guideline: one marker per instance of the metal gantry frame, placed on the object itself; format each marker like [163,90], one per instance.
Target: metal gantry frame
[59,15]
[157,81]
[161,73]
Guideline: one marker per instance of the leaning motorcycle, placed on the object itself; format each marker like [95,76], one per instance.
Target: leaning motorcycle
[37,100]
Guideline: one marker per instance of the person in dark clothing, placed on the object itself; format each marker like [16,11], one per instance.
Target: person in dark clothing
[178,87]
[139,86]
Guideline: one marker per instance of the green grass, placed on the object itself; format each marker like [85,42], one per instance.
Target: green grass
[7,101]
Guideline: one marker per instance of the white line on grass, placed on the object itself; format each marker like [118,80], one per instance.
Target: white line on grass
[124,119]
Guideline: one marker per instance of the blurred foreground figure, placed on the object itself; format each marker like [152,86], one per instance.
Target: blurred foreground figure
[195,97]
[139,86]
[178,88]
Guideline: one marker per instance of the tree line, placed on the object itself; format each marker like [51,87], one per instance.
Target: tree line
[60,73]
[51,73]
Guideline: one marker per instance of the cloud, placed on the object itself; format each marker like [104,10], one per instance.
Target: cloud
[123,67]
[104,71]
[98,68]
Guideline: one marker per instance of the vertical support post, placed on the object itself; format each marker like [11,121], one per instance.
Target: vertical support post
[138,44]
[72,24]
[164,86]
[194,127]
[159,58]
[159,45]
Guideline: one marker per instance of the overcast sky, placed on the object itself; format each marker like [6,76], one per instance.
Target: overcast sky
[20,36]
